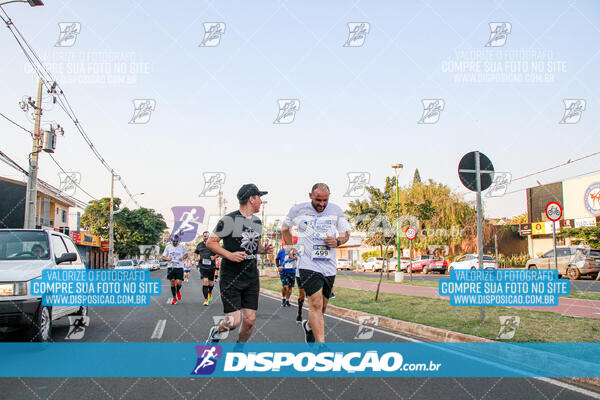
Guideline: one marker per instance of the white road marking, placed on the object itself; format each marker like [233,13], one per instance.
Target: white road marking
[551,381]
[160,328]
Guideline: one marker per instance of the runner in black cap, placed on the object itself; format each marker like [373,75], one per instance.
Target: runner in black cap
[239,284]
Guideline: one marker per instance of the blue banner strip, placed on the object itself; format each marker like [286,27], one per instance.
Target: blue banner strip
[300,360]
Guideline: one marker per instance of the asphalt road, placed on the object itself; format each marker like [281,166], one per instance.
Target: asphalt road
[583,284]
[189,321]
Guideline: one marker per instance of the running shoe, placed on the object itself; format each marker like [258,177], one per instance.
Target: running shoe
[212,335]
[205,302]
[282,302]
[174,301]
[210,297]
[299,318]
[287,303]
[332,295]
[309,336]
[178,295]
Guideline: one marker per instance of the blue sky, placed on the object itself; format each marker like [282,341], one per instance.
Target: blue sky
[359,106]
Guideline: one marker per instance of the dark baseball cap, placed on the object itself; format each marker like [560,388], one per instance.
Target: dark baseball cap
[175,238]
[248,190]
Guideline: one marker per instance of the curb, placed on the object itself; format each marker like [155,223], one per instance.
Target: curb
[425,332]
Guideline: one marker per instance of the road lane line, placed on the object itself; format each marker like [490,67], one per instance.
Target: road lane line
[160,328]
[551,381]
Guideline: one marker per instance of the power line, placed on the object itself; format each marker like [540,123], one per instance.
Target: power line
[14,123]
[9,161]
[61,98]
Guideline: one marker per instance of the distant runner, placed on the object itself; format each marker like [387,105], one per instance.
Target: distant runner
[174,255]
[206,266]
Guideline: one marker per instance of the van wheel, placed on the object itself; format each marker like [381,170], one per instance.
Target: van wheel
[532,267]
[425,270]
[573,273]
[473,268]
[40,329]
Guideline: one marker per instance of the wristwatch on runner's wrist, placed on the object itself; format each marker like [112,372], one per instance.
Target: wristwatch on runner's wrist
[338,242]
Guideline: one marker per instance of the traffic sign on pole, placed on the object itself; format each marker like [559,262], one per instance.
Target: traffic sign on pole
[411,233]
[554,212]
[476,172]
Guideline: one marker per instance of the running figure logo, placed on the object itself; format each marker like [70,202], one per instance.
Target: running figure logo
[508,327]
[213,182]
[77,327]
[432,108]
[212,34]
[499,32]
[365,328]
[187,220]
[499,184]
[357,182]
[207,359]
[68,182]
[573,110]
[287,111]
[592,199]
[358,33]
[68,34]
[142,109]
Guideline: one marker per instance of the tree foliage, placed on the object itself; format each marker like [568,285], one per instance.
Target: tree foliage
[132,228]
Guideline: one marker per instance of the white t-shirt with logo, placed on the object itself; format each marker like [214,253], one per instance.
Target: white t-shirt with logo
[313,227]
[176,254]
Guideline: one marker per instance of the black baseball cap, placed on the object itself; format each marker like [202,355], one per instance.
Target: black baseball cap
[175,239]
[248,190]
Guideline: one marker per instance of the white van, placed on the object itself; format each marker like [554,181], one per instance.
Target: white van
[24,253]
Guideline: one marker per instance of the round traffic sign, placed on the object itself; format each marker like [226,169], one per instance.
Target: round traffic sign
[411,233]
[468,174]
[553,211]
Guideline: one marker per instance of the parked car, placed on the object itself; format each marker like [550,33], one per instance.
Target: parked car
[427,263]
[373,264]
[143,265]
[125,264]
[24,253]
[154,265]
[393,264]
[343,264]
[573,262]
[471,261]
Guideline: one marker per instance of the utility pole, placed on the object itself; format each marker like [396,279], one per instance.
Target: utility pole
[31,194]
[111,255]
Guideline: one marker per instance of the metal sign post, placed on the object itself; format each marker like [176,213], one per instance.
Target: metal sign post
[554,212]
[411,233]
[476,172]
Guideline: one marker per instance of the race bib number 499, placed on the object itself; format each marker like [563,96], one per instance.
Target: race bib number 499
[321,252]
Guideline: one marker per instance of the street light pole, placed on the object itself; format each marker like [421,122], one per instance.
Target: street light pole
[111,255]
[397,169]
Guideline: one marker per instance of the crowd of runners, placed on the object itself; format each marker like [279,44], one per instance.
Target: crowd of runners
[235,242]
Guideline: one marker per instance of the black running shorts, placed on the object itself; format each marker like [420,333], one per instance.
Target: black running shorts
[175,273]
[236,295]
[208,273]
[313,281]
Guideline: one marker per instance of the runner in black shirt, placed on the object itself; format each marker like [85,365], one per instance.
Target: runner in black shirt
[206,266]
[240,232]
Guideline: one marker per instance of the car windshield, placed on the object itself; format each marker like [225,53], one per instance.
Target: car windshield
[488,258]
[24,245]
[124,263]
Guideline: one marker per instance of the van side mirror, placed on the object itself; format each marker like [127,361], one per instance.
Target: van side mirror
[66,258]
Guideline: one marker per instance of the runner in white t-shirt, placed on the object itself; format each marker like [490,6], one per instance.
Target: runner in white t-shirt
[318,223]
[174,254]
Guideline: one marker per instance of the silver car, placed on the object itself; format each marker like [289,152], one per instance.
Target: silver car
[573,262]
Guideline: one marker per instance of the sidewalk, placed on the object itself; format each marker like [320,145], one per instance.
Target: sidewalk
[566,306]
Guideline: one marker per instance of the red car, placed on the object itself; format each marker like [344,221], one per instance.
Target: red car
[426,263]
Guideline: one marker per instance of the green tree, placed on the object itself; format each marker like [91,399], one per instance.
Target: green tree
[589,235]
[132,228]
[416,177]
